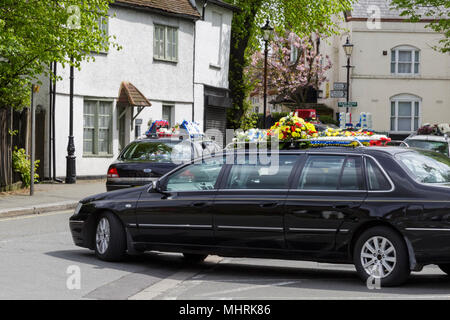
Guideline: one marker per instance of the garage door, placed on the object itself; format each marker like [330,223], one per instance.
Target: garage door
[216,118]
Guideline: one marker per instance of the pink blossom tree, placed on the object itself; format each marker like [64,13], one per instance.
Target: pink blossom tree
[294,66]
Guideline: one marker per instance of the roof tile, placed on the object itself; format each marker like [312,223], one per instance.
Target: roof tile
[183,7]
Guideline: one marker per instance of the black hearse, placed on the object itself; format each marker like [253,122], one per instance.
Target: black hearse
[384,209]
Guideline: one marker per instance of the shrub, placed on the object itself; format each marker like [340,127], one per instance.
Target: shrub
[22,165]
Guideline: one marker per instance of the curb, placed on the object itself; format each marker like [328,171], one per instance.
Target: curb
[38,209]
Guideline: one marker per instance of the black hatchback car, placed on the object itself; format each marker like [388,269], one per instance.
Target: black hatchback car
[145,160]
[384,209]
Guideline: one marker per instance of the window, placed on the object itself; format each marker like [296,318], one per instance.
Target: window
[254,175]
[331,173]
[216,33]
[376,179]
[150,151]
[405,60]
[165,43]
[405,113]
[97,133]
[196,177]
[426,166]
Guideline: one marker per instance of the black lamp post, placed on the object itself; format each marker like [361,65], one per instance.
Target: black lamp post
[267,31]
[348,48]
[71,175]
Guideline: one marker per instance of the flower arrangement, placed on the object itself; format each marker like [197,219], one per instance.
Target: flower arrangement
[291,128]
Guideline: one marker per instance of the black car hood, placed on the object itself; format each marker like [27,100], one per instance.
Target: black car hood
[117,194]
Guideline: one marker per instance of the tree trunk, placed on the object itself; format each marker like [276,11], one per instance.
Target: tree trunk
[6,171]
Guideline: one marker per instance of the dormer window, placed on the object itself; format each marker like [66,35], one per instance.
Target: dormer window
[405,60]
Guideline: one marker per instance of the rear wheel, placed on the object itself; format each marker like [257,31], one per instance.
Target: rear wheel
[110,238]
[194,257]
[445,267]
[380,253]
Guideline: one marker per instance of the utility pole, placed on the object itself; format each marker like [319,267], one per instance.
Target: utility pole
[71,176]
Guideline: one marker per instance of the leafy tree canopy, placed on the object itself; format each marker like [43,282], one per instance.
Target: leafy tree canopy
[34,33]
[438,10]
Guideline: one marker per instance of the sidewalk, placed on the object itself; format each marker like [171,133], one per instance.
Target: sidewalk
[48,197]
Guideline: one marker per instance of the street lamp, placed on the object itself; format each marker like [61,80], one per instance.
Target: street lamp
[71,175]
[267,31]
[348,49]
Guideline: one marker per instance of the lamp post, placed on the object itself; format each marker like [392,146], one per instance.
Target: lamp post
[267,31]
[71,176]
[348,49]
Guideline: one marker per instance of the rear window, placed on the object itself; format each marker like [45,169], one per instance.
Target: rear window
[331,173]
[157,151]
[376,179]
[426,166]
[438,146]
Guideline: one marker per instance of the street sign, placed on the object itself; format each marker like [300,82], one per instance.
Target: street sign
[348,104]
[340,86]
[338,94]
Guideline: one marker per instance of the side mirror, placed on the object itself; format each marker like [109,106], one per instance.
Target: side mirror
[155,186]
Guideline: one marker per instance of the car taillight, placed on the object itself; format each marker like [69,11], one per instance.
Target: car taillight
[112,173]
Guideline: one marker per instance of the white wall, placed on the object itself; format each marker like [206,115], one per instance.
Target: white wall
[158,81]
[372,84]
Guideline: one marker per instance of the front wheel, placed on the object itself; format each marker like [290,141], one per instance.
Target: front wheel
[110,238]
[381,253]
[445,268]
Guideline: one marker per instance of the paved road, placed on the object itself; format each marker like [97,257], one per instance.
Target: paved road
[35,252]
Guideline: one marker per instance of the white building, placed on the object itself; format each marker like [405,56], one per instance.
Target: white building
[397,76]
[175,55]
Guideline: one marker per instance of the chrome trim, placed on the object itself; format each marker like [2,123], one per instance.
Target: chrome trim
[384,173]
[312,229]
[426,229]
[251,228]
[132,225]
[76,221]
[132,179]
[155,225]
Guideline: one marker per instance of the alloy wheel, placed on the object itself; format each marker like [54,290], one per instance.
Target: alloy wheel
[102,235]
[378,257]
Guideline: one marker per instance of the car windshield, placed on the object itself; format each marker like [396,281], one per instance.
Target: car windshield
[426,166]
[438,146]
[157,151]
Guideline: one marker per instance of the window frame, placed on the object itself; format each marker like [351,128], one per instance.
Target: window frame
[157,43]
[95,143]
[395,60]
[414,100]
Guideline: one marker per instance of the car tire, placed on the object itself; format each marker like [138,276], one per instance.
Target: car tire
[381,253]
[445,268]
[194,257]
[110,238]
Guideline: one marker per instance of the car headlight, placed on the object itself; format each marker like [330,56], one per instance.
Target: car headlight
[78,208]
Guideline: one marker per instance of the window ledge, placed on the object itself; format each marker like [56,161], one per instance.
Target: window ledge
[165,60]
[215,66]
[98,155]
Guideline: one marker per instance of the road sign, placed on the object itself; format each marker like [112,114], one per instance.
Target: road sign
[340,86]
[338,94]
[348,104]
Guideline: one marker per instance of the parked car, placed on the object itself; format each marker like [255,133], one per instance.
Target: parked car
[384,209]
[145,160]
[436,143]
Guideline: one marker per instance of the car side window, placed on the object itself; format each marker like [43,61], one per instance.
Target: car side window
[196,177]
[352,178]
[321,172]
[376,179]
[254,175]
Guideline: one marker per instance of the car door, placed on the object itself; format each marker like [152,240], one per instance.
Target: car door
[327,190]
[182,213]
[248,209]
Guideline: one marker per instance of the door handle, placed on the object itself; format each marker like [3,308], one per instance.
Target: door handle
[269,205]
[200,204]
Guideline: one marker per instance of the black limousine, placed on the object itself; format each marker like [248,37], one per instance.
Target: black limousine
[384,209]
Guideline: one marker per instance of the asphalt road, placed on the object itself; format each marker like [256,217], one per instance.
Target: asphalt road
[36,252]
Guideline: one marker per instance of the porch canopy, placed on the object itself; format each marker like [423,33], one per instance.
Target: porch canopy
[130,96]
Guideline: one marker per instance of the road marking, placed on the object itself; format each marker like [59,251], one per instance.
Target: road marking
[35,215]
[169,283]
[285,283]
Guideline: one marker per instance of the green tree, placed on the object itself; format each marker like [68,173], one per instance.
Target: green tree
[34,33]
[300,16]
[437,10]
